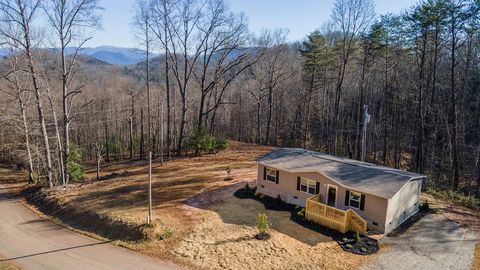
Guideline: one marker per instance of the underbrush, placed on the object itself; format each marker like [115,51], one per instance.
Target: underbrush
[456,198]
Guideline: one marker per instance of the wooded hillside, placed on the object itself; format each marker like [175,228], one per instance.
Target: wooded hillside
[416,74]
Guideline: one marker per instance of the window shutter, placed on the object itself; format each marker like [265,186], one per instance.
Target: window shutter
[298,182]
[277,176]
[362,202]
[347,197]
[317,188]
[264,173]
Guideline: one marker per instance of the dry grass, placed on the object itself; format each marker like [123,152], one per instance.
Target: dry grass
[123,194]
[13,180]
[476,257]
[8,266]
[5,265]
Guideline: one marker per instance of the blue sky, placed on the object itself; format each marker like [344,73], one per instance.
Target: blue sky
[299,16]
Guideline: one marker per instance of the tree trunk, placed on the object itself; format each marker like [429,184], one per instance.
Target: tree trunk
[258,123]
[454,112]
[27,143]
[98,159]
[41,117]
[130,123]
[269,114]
[142,138]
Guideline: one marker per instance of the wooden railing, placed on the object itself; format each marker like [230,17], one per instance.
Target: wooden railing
[334,218]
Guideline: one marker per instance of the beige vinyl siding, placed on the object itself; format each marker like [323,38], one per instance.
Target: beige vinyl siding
[404,204]
[375,208]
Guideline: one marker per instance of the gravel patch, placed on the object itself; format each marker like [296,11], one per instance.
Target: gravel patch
[434,242]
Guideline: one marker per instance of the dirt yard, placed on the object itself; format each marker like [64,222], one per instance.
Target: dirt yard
[224,239]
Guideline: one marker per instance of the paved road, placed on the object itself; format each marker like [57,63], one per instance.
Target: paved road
[432,243]
[32,243]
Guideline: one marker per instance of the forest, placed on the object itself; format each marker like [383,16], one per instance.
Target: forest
[399,90]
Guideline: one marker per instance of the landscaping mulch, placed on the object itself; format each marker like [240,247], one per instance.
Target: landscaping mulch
[362,246]
[347,241]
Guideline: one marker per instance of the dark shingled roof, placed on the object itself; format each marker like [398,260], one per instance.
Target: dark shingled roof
[362,176]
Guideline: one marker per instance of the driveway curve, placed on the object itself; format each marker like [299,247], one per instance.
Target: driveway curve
[434,242]
[32,243]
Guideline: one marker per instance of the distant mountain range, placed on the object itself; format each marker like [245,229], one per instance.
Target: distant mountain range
[114,55]
[130,56]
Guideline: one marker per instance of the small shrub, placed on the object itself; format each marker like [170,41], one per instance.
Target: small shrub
[262,224]
[364,250]
[301,213]
[76,172]
[220,144]
[167,233]
[357,237]
[203,142]
[349,246]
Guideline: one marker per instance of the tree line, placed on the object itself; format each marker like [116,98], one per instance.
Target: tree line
[414,74]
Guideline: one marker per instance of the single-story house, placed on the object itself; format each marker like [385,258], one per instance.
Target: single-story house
[382,196]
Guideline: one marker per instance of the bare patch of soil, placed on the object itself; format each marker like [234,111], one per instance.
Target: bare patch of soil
[225,239]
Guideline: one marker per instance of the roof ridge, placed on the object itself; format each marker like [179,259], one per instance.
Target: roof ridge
[355,162]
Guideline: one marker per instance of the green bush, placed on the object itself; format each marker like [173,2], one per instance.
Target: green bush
[76,172]
[220,144]
[202,142]
[262,224]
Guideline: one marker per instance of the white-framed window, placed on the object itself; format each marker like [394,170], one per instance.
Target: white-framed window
[354,200]
[271,175]
[308,186]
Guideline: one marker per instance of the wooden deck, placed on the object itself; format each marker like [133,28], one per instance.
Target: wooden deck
[334,218]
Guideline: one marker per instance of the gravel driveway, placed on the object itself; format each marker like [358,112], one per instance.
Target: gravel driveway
[434,242]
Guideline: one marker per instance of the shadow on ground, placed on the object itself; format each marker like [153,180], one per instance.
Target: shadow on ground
[241,210]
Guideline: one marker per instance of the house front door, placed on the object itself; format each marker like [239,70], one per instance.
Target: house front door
[332,196]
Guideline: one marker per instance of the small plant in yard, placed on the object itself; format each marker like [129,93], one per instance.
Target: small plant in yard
[357,237]
[301,213]
[263,226]
[167,233]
